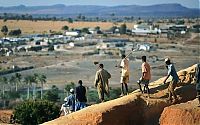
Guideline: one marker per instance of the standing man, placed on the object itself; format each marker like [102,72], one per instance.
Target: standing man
[124,74]
[146,76]
[172,85]
[80,96]
[197,77]
[101,82]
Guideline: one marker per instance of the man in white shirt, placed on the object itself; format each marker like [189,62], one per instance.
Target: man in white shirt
[125,72]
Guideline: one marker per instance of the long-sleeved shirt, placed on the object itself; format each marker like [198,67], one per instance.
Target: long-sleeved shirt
[70,101]
[102,77]
[172,72]
[81,94]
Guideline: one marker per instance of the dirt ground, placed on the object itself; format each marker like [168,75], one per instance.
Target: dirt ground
[32,27]
[5,116]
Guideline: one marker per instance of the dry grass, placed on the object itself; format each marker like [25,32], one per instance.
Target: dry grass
[29,27]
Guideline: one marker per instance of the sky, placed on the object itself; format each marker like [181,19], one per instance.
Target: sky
[186,3]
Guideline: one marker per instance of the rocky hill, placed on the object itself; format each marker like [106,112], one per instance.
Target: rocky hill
[160,10]
[137,109]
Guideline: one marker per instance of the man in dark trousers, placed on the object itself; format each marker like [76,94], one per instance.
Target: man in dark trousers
[80,96]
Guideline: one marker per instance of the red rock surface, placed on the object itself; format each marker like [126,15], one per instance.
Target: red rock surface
[5,116]
[181,114]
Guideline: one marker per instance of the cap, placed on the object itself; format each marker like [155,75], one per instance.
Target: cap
[71,90]
[167,59]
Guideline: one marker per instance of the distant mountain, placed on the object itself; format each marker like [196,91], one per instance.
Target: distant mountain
[160,10]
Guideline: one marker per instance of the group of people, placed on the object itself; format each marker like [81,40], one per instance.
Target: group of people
[102,77]
[76,100]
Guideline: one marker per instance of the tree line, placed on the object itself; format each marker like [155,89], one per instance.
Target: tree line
[15,32]
[17,82]
[80,17]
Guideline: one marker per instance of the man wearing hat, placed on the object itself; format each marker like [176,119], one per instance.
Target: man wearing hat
[172,85]
[69,103]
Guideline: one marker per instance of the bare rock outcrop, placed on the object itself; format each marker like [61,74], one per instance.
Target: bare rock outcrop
[181,114]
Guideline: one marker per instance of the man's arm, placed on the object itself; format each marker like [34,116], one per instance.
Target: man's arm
[121,64]
[96,79]
[143,74]
[109,75]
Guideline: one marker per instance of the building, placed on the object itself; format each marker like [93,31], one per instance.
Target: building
[72,33]
[112,43]
[144,29]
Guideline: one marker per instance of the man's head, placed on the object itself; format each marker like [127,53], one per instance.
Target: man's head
[167,61]
[71,91]
[144,58]
[101,66]
[123,56]
[80,82]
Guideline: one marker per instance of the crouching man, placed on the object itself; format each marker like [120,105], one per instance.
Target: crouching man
[69,103]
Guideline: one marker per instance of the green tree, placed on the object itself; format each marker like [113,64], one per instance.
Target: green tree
[97,28]
[70,20]
[34,83]
[51,48]
[16,32]
[122,29]
[13,80]
[19,78]
[4,83]
[4,30]
[28,80]
[85,30]
[35,112]
[42,79]
[69,86]
[65,28]
[52,94]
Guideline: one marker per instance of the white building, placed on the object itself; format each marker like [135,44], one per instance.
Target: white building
[72,33]
[145,30]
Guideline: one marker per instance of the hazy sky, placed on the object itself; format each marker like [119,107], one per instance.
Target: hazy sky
[187,3]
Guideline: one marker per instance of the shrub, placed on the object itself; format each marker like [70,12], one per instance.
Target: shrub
[35,112]
[52,94]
